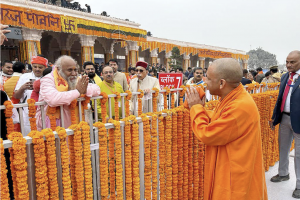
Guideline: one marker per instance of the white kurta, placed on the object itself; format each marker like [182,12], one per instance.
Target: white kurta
[147,83]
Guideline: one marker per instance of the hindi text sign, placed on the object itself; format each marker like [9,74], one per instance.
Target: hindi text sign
[170,80]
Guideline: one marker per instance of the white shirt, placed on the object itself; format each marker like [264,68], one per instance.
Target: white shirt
[24,79]
[287,105]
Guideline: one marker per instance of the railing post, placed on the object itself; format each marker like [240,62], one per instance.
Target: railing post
[31,171]
[59,168]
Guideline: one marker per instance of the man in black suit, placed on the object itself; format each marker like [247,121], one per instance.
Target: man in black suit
[244,80]
[287,113]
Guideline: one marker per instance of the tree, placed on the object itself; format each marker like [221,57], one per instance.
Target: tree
[261,58]
[176,58]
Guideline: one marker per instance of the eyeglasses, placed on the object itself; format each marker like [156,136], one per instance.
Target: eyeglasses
[139,70]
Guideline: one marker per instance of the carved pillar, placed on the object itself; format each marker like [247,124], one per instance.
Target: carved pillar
[186,62]
[202,62]
[154,55]
[87,47]
[127,64]
[30,46]
[133,52]
[168,60]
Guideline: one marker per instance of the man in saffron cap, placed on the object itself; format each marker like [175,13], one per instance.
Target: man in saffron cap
[24,86]
[143,82]
[234,167]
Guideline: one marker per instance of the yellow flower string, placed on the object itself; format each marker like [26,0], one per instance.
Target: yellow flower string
[173,100]
[191,166]
[20,165]
[185,132]
[72,107]
[154,155]
[112,176]
[140,106]
[135,158]
[31,113]
[166,97]
[180,151]
[50,112]
[119,168]
[72,162]
[147,147]
[103,106]
[162,157]
[181,94]
[66,181]
[4,194]
[86,102]
[41,177]
[174,155]
[201,169]
[103,162]
[196,168]
[51,163]
[168,166]
[117,117]
[128,158]
[128,98]
[88,177]
[154,99]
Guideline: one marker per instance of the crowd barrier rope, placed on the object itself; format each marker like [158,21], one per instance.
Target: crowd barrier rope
[151,156]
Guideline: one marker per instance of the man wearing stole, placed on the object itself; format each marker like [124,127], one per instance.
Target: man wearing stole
[109,86]
[61,87]
[234,167]
[142,82]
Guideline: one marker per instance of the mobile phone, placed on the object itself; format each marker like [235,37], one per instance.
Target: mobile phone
[15,33]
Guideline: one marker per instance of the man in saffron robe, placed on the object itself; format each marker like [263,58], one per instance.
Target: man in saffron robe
[61,87]
[233,162]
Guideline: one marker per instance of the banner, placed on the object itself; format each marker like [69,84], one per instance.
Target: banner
[170,80]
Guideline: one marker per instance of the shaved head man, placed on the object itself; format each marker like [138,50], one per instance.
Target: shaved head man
[234,167]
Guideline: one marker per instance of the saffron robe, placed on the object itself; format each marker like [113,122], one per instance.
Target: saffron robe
[234,166]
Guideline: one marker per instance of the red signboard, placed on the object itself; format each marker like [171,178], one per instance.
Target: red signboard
[170,80]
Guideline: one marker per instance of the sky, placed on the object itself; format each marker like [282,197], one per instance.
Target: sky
[273,25]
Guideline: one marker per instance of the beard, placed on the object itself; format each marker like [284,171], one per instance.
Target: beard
[91,75]
[72,80]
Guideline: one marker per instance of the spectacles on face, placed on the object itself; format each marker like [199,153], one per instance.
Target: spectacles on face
[139,70]
[108,72]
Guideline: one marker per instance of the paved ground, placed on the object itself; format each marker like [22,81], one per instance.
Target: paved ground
[282,190]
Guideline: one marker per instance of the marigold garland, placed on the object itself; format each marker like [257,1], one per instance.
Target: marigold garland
[154,155]
[180,151]
[41,177]
[86,102]
[174,155]
[20,165]
[103,101]
[135,158]
[31,113]
[119,168]
[185,131]
[173,100]
[51,163]
[112,175]
[168,166]
[201,169]
[88,177]
[140,106]
[51,114]
[67,190]
[154,99]
[196,168]
[72,163]
[165,97]
[147,147]
[4,190]
[191,166]
[8,114]
[102,133]
[72,107]
[128,98]
[162,156]
[128,158]
[117,117]
[182,93]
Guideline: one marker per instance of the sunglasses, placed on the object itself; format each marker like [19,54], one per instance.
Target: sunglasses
[139,70]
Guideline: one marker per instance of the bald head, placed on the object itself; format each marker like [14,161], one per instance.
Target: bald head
[228,69]
[293,61]
[296,52]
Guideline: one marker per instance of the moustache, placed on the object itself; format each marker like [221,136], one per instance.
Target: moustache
[139,75]
[108,76]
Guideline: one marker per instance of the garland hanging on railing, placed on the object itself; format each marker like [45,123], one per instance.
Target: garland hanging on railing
[117,117]
[147,147]
[88,173]
[168,166]
[173,100]
[162,157]
[31,114]
[165,97]
[174,155]
[181,94]
[102,133]
[119,168]
[4,194]
[128,158]
[51,114]
[154,99]
[185,132]
[154,155]
[140,106]
[67,190]
[103,106]
[135,158]
[112,175]
[196,168]
[128,98]
[180,150]
[201,169]
[72,107]
[51,163]
[191,166]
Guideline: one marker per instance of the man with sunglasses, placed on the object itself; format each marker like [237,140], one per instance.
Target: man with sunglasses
[143,82]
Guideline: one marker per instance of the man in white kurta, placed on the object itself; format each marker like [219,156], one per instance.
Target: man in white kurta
[143,82]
